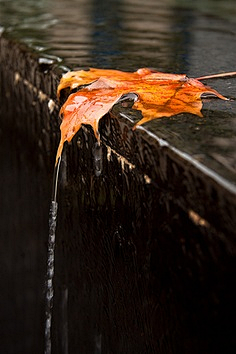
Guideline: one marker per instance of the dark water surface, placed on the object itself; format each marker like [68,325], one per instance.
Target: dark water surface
[168,35]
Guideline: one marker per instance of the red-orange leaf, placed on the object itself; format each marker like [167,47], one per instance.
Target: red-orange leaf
[87,106]
[159,95]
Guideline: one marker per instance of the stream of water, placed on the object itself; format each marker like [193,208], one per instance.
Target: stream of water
[50,262]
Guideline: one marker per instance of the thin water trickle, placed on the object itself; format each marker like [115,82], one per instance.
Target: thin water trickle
[97,159]
[50,262]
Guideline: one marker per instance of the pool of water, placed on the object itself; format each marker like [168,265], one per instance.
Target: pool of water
[127,34]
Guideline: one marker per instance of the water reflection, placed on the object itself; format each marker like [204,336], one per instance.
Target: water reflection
[123,34]
[106,32]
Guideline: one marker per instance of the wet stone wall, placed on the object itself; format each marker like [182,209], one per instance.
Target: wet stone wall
[145,242]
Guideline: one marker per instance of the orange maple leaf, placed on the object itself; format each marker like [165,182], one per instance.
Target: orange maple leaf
[159,95]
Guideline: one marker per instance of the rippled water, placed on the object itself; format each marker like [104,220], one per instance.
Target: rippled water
[121,34]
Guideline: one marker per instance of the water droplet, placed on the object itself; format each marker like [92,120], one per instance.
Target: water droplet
[97,158]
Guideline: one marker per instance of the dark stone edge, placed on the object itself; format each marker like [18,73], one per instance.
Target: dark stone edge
[205,196]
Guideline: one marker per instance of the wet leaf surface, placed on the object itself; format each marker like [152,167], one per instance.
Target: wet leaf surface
[154,93]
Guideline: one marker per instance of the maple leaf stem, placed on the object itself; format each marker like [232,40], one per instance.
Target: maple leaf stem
[215,76]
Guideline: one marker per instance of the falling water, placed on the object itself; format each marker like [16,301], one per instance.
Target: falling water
[50,261]
[97,159]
